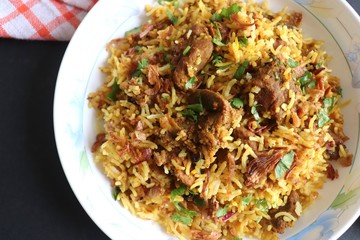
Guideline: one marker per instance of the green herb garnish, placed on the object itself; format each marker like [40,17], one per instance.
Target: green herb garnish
[190,83]
[329,103]
[319,65]
[305,81]
[172,18]
[284,164]
[182,218]
[323,117]
[246,200]
[133,31]
[224,67]
[177,192]
[262,205]
[241,70]
[255,113]
[225,13]
[292,63]
[216,58]
[340,91]
[115,192]
[186,50]
[199,202]
[114,90]
[142,64]
[217,40]
[237,103]
[221,212]
[138,48]
[243,41]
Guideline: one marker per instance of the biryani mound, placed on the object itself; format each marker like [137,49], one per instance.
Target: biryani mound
[220,120]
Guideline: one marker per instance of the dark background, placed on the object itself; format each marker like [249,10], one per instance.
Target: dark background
[36,201]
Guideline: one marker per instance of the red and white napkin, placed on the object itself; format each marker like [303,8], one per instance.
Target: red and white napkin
[42,19]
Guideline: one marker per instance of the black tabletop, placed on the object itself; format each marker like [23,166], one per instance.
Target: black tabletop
[36,201]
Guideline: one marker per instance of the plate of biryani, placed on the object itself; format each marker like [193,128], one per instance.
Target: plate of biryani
[211,119]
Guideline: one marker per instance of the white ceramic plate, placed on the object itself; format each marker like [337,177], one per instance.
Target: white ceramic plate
[334,21]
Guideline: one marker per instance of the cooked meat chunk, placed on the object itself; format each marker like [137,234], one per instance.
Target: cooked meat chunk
[244,135]
[272,94]
[189,65]
[294,20]
[261,166]
[217,118]
[279,224]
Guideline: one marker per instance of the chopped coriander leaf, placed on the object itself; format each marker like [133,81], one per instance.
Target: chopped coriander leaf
[225,13]
[116,192]
[224,67]
[216,58]
[340,91]
[190,213]
[305,81]
[262,205]
[241,70]
[255,113]
[190,114]
[311,84]
[284,165]
[319,65]
[243,41]
[323,118]
[177,192]
[237,103]
[133,31]
[190,83]
[199,202]
[178,217]
[292,63]
[160,48]
[246,200]
[218,42]
[138,48]
[172,18]
[186,50]
[221,211]
[196,107]
[114,90]
[329,103]
[143,63]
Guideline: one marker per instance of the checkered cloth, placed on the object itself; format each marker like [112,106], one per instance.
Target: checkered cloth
[42,19]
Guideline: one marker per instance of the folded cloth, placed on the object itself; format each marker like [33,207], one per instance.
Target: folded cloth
[42,19]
